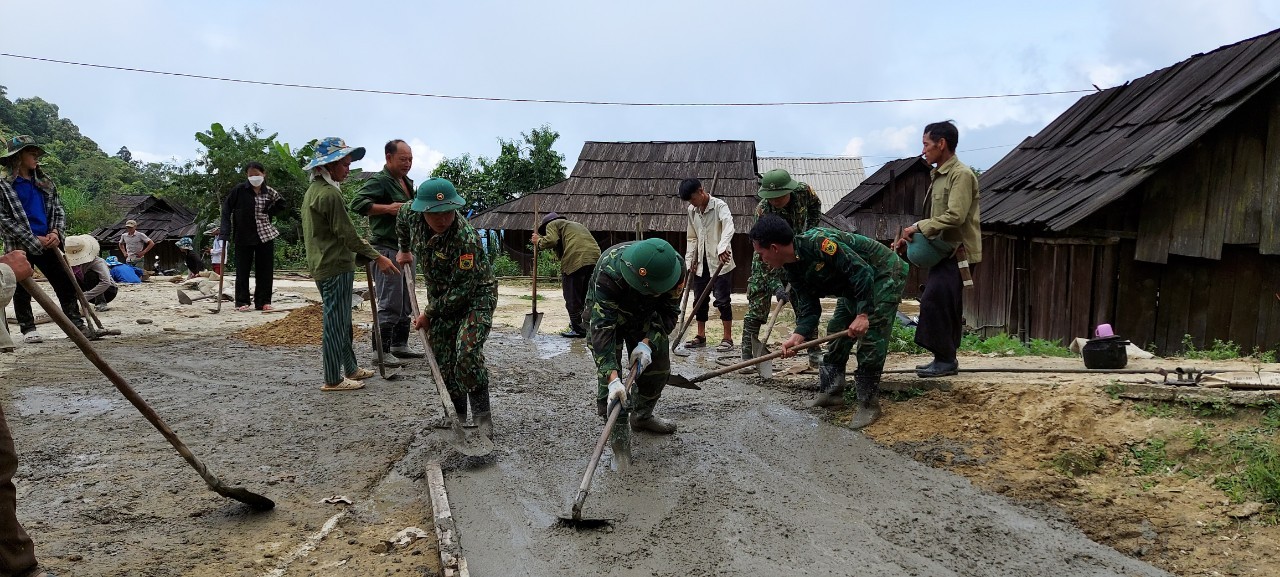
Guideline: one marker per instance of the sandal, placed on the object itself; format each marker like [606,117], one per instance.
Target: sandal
[725,346]
[343,385]
[361,374]
[696,343]
[266,308]
[244,308]
[32,337]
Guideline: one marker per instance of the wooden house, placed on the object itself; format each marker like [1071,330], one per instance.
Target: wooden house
[1153,206]
[161,220]
[830,177]
[619,190]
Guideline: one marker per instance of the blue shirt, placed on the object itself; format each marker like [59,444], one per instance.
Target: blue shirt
[33,204]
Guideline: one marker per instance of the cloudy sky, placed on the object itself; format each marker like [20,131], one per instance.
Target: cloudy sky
[656,51]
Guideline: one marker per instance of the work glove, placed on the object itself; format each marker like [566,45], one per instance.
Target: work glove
[641,356]
[617,391]
[782,295]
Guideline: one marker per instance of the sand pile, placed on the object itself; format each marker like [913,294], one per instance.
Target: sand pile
[301,326]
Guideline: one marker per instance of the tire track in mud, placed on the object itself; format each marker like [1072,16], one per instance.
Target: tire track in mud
[747,486]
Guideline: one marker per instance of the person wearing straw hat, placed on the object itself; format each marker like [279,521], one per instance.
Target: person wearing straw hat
[797,204]
[578,252]
[32,219]
[459,280]
[91,272]
[634,300]
[333,246]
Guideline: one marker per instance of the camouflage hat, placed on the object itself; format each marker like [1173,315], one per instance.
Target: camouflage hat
[777,183]
[333,148]
[651,266]
[185,243]
[436,195]
[16,144]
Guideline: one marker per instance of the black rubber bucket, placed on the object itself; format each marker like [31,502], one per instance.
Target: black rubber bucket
[1105,353]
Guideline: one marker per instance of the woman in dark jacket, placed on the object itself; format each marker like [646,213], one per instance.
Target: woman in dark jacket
[246,222]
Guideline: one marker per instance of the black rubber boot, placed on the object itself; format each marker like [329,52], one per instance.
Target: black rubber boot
[939,369]
[400,342]
[384,332]
[750,336]
[830,387]
[602,408]
[646,421]
[868,401]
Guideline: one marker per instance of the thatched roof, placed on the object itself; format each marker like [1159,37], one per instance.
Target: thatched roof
[159,219]
[614,184]
[1111,141]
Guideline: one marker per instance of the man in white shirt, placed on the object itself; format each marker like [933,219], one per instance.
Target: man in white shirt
[709,234]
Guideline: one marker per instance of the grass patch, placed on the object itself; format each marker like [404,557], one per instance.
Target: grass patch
[530,297]
[1149,457]
[1222,350]
[1257,472]
[902,396]
[903,340]
[1003,344]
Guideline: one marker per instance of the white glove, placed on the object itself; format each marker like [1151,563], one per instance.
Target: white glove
[641,356]
[617,391]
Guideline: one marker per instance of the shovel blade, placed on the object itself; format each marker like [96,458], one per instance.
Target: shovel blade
[253,500]
[471,446]
[765,368]
[531,323]
[183,298]
[682,382]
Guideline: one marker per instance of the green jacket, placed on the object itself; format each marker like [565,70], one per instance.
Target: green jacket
[841,264]
[802,212]
[454,265]
[954,209]
[381,188]
[331,239]
[614,310]
[572,243]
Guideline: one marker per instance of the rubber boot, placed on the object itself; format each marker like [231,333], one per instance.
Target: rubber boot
[602,408]
[400,342]
[484,424]
[480,408]
[750,336]
[815,358]
[831,387]
[646,421]
[868,401]
[385,333]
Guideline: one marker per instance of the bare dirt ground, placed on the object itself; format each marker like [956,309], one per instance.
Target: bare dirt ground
[752,484]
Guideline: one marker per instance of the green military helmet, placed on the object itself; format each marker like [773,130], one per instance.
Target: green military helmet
[651,266]
[777,183]
[926,253]
[436,195]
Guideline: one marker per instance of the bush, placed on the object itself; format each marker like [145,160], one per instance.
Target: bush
[902,340]
[503,265]
[1219,351]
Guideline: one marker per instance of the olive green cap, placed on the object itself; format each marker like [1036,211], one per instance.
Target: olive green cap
[436,195]
[777,183]
[651,266]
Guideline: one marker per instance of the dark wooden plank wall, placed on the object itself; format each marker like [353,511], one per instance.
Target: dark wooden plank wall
[1269,233]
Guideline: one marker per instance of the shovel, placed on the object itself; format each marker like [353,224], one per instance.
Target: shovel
[477,446]
[534,319]
[680,381]
[575,519]
[253,500]
[758,347]
[377,334]
[221,277]
[186,300]
[701,298]
[684,295]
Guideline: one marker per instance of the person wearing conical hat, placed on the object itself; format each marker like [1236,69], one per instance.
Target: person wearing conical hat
[459,279]
[634,300]
[333,246]
[32,219]
[91,272]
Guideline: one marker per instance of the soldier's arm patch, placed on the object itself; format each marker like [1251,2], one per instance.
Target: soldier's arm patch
[828,246]
[467,261]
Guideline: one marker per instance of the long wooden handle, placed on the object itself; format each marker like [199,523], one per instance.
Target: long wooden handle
[773,318]
[535,256]
[584,487]
[222,275]
[702,297]
[770,356]
[441,388]
[84,302]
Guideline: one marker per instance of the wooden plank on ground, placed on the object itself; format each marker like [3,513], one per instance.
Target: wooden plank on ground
[451,559]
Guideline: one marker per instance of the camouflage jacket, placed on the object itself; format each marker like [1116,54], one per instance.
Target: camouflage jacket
[614,310]
[841,264]
[454,265]
[15,229]
[802,212]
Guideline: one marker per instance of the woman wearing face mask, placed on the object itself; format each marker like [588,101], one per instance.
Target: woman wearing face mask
[246,222]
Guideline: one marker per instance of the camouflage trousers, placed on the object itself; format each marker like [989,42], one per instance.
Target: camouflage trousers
[762,285]
[648,387]
[873,347]
[458,344]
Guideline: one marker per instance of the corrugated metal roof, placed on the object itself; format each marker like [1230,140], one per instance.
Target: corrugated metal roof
[614,185]
[831,178]
[1111,141]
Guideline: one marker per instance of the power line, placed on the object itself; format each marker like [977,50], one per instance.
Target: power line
[534,100]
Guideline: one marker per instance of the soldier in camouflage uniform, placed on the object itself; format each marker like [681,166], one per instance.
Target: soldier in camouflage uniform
[797,204]
[867,276]
[634,298]
[462,290]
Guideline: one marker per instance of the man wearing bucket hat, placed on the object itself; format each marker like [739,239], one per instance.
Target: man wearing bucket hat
[333,245]
[91,272]
[578,252]
[634,300]
[380,199]
[134,245]
[463,292]
[32,219]
[797,204]
[865,275]
[953,229]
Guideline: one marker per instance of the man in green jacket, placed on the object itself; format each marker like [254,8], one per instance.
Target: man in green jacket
[462,290]
[333,245]
[578,252]
[380,199]
[634,299]
[867,276]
